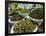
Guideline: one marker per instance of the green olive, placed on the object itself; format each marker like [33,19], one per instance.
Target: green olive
[24,26]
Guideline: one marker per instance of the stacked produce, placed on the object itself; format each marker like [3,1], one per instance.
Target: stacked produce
[25,24]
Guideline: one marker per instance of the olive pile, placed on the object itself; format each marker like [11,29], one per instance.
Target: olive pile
[37,14]
[15,17]
[24,26]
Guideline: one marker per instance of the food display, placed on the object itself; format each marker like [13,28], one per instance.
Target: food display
[37,13]
[12,7]
[25,17]
[24,26]
[15,17]
[23,10]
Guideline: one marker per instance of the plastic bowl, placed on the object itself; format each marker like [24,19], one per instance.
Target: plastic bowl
[12,31]
[35,20]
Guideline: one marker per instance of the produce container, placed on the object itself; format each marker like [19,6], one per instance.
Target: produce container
[12,31]
[37,20]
